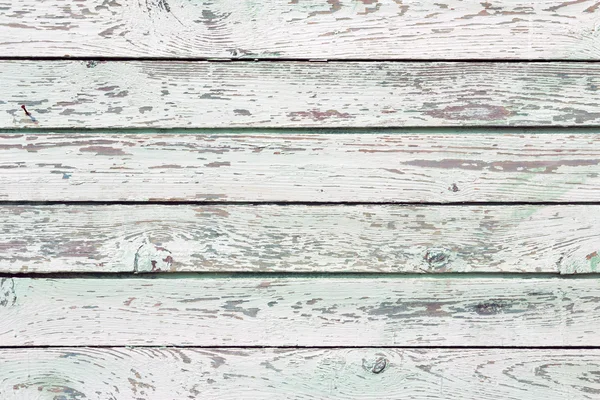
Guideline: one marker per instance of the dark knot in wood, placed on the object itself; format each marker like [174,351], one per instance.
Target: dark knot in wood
[437,258]
[379,365]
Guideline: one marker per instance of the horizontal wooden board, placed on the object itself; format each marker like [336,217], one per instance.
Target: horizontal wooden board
[167,94]
[369,166]
[450,29]
[240,373]
[300,311]
[297,238]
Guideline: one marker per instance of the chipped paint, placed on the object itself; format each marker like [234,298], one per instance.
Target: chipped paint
[8,296]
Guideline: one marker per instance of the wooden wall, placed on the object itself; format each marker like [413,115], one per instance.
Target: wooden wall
[305,199]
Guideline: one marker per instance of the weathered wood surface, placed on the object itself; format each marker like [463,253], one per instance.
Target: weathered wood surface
[167,94]
[296,238]
[239,373]
[370,166]
[300,311]
[378,29]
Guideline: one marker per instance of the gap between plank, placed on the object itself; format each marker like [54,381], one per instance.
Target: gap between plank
[304,347]
[312,131]
[295,203]
[296,275]
[299,59]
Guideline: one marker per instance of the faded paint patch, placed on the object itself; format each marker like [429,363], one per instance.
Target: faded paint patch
[218,164]
[103,151]
[477,112]
[317,115]
[594,260]
[334,6]
[166,166]
[368,10]
[234,305]
[541,167]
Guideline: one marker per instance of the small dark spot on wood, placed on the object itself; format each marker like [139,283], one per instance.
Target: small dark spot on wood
[241,112]
[91,64]
[143,109]
[453,188]
[68,355]
[208,15]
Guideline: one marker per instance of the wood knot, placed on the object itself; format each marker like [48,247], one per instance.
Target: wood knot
[379,365]
[437,258]
[152,258]
[453,188]
[489,308]
[8,297]
[376,367]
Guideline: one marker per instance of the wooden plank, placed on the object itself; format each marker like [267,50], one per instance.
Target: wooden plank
[297,238]
[300,311]
[451,29]
[167,94]
[369,166]
[235,373]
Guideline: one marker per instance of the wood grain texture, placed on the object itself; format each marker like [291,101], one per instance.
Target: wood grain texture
[300,311]
[379,29]
[84,94]
[239,373]
[369,166]
[268,238]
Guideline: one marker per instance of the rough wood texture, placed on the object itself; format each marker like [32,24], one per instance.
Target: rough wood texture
[238,373]
[84,94]
[290,166]
[428,239]
[449,29]
[297,311]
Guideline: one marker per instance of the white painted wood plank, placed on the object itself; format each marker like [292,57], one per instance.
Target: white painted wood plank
[167,94]
[296,238]
[370,166]
[239,373]
[300,311]
[451,29]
